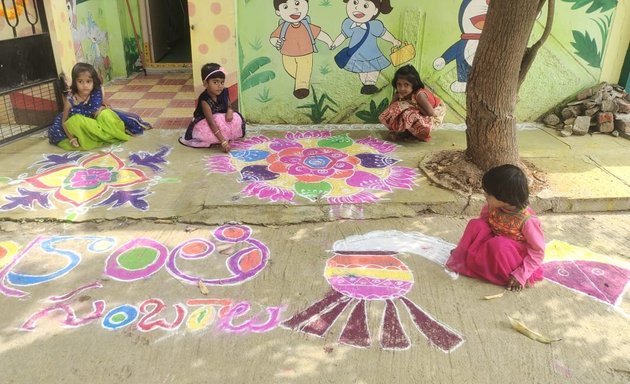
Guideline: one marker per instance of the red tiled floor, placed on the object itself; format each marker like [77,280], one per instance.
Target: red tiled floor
[182,104]
[171,81]
[122,103]
[148,112]
[136,88]
[172,123]
[167,88]
[159,95]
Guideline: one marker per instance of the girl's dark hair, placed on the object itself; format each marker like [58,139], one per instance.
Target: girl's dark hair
[276,3]
[211,67]
[507,183]
[409,73]
[383,6]
[78,69]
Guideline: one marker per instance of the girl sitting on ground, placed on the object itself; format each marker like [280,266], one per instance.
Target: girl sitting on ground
[86,121]
[214,121]
[505,245]
[414,110]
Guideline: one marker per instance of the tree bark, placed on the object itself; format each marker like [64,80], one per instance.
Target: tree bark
[494,81]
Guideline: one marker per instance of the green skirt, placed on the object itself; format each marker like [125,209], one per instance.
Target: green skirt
[106,128]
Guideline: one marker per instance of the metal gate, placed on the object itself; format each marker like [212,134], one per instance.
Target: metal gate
[29,98]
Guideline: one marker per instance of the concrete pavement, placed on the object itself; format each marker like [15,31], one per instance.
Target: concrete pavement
[151,262]
[170,181]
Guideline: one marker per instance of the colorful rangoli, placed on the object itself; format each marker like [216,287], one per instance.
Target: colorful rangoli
[85,180]
[579,269]
[315,165]
[358,278]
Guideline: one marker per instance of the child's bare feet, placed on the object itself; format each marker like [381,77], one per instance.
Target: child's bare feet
[514,285]
[398,136]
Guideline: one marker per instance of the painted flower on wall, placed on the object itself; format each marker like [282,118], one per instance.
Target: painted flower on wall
[315,165]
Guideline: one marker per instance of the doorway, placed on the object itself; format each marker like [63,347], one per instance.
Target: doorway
[166,33]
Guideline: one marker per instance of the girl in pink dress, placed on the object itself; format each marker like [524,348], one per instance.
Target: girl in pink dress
[414,110]
[505,245]
[214,121]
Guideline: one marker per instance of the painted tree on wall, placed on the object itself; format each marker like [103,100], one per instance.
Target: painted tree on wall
[500,66]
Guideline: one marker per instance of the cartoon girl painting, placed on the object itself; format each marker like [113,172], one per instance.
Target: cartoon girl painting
[362,54]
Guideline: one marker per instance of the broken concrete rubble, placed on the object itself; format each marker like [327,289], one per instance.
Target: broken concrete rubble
[603,108]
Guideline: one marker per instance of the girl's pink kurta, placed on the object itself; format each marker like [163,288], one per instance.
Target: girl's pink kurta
[482,254]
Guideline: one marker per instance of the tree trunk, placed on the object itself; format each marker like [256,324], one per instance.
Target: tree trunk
[500,64]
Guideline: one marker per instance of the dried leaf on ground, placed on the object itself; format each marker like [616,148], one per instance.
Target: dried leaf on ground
[490,297]
[202,287]
[522,328]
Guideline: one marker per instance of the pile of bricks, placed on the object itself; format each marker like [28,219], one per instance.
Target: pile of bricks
[604,108]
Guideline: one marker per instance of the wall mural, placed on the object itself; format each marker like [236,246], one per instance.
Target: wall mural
[90,40]
[83,181]
[586,47]
[77,35]
[315,165]
[333,61]
[295,39]
[471,19]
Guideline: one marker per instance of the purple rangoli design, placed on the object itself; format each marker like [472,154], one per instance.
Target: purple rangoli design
[85,180]
[602,281]
[358,277]
[315,165]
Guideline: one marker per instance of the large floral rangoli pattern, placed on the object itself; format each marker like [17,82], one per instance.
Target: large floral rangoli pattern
[84,180]
[315,165]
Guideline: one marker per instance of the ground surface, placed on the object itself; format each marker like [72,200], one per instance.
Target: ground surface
[101,255]
[595,336]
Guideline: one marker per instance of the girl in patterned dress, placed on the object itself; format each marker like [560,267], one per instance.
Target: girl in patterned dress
[505,245]
[86,121]
[214,121]
[414,110]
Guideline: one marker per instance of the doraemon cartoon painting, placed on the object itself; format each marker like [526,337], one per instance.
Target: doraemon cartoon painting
[472,17]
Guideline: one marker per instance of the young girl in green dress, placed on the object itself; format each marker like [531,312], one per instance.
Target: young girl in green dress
[86,122]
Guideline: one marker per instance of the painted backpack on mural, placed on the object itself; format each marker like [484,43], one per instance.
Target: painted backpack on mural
[306,22]
[343,56]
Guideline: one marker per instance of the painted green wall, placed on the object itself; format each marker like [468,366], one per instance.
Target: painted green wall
[568,62]
[104,36]
[130,48]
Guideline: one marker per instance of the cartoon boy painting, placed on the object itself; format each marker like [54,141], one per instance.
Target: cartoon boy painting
[295,39]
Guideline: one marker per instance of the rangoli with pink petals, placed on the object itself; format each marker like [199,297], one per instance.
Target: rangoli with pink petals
[315,165]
